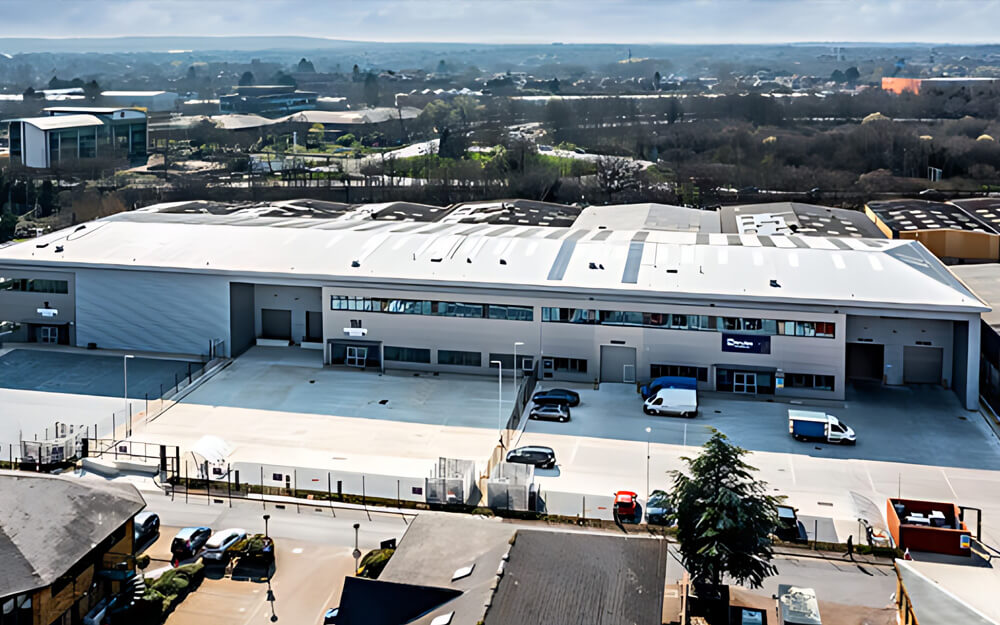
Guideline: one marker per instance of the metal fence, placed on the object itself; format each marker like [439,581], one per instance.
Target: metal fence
[65,445]
[165,457]
[452,481]
[511,487]
[524,392]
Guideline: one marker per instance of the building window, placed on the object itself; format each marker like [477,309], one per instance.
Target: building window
[569,315]
[809,380]
[683,371]
[407,354]
[464,359]
[507,360]
[824,329]
[28,285]
[569,365]
[431,308]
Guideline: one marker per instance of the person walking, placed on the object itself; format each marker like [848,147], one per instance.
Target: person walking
[850,548]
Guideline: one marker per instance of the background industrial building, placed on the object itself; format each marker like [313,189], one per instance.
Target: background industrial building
[452,289]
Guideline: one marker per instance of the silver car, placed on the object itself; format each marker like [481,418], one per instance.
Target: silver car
[215,548]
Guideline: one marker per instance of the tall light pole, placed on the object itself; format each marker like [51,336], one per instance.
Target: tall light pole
[648,430]
[357,551]
[267,517]
[128,412]
[499,400]
[517,365]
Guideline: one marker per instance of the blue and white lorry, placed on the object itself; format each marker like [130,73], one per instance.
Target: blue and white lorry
[810,425]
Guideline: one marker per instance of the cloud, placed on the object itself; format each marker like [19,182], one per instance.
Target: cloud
[617,21]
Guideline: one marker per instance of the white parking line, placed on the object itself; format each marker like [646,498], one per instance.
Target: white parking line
[948,482]
[791,467]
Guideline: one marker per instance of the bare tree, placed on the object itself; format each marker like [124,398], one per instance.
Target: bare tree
[615,175]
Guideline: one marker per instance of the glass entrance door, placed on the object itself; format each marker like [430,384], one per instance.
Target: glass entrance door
[48,334]
[356,356]
[744,382]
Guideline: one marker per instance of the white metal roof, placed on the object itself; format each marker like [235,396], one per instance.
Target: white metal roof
[888,274]
[136,94]
[58,122]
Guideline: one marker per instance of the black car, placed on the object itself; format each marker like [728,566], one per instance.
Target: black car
[550,412]
[557,396]
[790,528]
[189,542]
[541,457]
[146,525]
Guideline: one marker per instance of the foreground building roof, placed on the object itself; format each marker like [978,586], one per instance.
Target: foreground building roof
[48,523]
[352,248]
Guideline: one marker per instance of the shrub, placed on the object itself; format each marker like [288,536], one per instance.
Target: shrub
[374,561]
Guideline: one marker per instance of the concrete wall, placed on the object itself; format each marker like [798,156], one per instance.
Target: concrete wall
[407,488]
[151,311]
[895,333]
[297,299]
[809,355]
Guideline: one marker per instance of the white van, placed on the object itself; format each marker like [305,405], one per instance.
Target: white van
[674,402]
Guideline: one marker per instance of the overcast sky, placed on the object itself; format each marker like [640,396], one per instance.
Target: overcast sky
[582,21]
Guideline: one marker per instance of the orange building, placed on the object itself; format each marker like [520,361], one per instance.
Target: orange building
[900,85]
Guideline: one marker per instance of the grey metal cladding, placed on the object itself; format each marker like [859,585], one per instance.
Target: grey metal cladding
[561,262]
[151,311]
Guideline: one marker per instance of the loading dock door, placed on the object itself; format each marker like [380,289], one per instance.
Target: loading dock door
[865,361]
[276,324]
[617,363]
[922,365]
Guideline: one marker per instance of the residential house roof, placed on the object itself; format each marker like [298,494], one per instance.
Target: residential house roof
[48,523]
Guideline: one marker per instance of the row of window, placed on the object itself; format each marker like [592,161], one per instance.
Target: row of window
[673,321]
[809,380]
[684,371]
[434,308]
[33,285]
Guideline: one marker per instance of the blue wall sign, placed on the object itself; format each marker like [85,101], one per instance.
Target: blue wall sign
[746,343]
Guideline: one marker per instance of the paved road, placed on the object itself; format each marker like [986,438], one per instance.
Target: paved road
[313,557]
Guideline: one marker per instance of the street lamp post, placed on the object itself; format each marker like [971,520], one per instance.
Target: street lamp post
[499,399]
[357,551]
[267,517]
[128,412]
[517,365]
[271,599]
[648,430]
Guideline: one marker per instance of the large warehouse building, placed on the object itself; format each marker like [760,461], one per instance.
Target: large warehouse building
[402,286]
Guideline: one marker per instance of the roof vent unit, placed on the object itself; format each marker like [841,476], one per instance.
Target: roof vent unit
[59,248]
[774,283]
[672,270]
[41,245]
[355,263]
[465,571]
[435,260]
[503,262]
[596,266]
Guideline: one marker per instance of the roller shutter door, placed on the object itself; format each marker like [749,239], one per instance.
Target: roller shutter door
[617,364]
[276,324]
[922,365]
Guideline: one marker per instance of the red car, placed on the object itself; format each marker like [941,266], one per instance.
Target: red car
[626,507]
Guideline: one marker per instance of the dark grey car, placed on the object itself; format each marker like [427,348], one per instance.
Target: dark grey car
[541,457]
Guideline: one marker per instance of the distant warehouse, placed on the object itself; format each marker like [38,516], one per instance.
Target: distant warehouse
[408,286]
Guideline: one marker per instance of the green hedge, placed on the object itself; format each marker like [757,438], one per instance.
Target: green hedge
[165,592]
